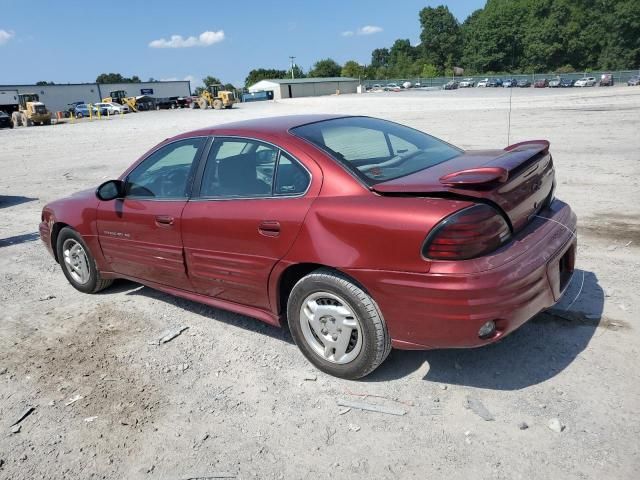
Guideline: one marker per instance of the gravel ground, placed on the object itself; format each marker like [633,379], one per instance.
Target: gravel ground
[231,396]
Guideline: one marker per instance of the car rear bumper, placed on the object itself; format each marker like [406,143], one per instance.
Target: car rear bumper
[446,307]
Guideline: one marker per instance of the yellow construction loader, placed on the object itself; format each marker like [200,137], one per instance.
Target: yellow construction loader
[31,111]
[215,96]
[120,96]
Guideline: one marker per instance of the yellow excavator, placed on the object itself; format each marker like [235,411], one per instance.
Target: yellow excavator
[120,96]
[215,96]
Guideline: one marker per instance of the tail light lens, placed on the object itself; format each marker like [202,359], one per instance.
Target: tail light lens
[469,233]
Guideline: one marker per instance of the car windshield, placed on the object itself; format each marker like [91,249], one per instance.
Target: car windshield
[377,150]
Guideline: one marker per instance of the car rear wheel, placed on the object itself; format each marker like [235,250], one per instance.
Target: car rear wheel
[337,325]
[77,263]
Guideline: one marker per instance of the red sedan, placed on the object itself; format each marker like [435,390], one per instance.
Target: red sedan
[357,233]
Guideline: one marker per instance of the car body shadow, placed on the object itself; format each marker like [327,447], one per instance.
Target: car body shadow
[536,352]
[13,200]
[215,314]
[18,239]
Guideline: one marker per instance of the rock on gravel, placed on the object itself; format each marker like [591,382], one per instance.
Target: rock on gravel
[555,425]
[477,407]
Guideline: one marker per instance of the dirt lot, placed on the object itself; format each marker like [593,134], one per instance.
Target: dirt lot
[231,396]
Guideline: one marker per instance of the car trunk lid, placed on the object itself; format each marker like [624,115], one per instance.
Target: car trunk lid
[519,179]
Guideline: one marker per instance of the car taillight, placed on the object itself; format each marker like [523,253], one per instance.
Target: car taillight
[469,233]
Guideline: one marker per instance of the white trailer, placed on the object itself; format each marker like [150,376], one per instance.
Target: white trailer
[9,101]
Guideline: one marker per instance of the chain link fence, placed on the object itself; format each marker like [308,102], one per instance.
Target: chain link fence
[619,77]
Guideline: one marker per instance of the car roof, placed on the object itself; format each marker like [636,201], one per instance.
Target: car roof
[269,125]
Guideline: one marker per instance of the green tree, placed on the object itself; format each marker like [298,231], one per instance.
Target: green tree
[263,74]
[209,80]
[325,68]
[380,57]
[116,78]
[441,37]
[429,71]
[352,69]
[297,72]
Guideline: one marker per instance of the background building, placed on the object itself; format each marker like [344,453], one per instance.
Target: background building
[57,97]
[306,87]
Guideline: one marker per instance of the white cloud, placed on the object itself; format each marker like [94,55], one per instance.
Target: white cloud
[366,30]
[205,39]
[5,36]
[369,30]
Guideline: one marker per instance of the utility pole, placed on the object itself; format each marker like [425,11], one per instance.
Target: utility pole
[292,65]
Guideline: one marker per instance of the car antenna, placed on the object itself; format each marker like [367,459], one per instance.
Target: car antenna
[509,122]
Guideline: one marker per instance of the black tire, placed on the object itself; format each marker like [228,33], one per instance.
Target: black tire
[79,115]
[95,282]
[376,343]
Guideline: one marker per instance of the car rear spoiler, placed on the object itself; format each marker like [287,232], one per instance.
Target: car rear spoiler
[498,169]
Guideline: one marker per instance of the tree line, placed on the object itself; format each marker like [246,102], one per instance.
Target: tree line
[517,36]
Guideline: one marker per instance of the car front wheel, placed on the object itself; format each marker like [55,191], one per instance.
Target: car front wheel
[337,325]
[77,263]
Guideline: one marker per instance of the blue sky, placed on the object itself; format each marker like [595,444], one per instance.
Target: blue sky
[72,41]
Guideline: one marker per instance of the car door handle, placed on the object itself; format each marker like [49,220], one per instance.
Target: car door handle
[164,220]
[269,228]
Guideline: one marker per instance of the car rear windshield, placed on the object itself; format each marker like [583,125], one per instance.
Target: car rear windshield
[376,150]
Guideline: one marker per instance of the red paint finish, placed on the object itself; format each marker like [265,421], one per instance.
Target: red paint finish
[233,253]
[143,239]
[529,179]
[231,246]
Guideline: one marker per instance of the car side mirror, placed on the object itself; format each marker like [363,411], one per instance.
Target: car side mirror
[110,190]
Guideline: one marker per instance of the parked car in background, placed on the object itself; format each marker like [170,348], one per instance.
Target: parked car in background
[376,87]
[541,83]
[181,102]
[113,108]
[524,83]
[392,87]
[82,110]
[451,85]
[480,242]
[495,82]
[117,108]
[555,82]
[467,83]
[5,120]
[166,104]
[633,81]
[585,82]
[407,85]
[510,83]
[606,80]
[482,83]
[417,85]
[566,82]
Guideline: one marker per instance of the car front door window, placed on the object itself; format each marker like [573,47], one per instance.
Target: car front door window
[239,168]
[165,173]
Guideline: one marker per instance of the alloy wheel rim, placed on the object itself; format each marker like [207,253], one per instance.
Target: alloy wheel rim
[76,261]
[330,327]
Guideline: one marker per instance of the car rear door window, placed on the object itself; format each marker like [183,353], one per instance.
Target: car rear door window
[239,168]
[291,177]
[166,173]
